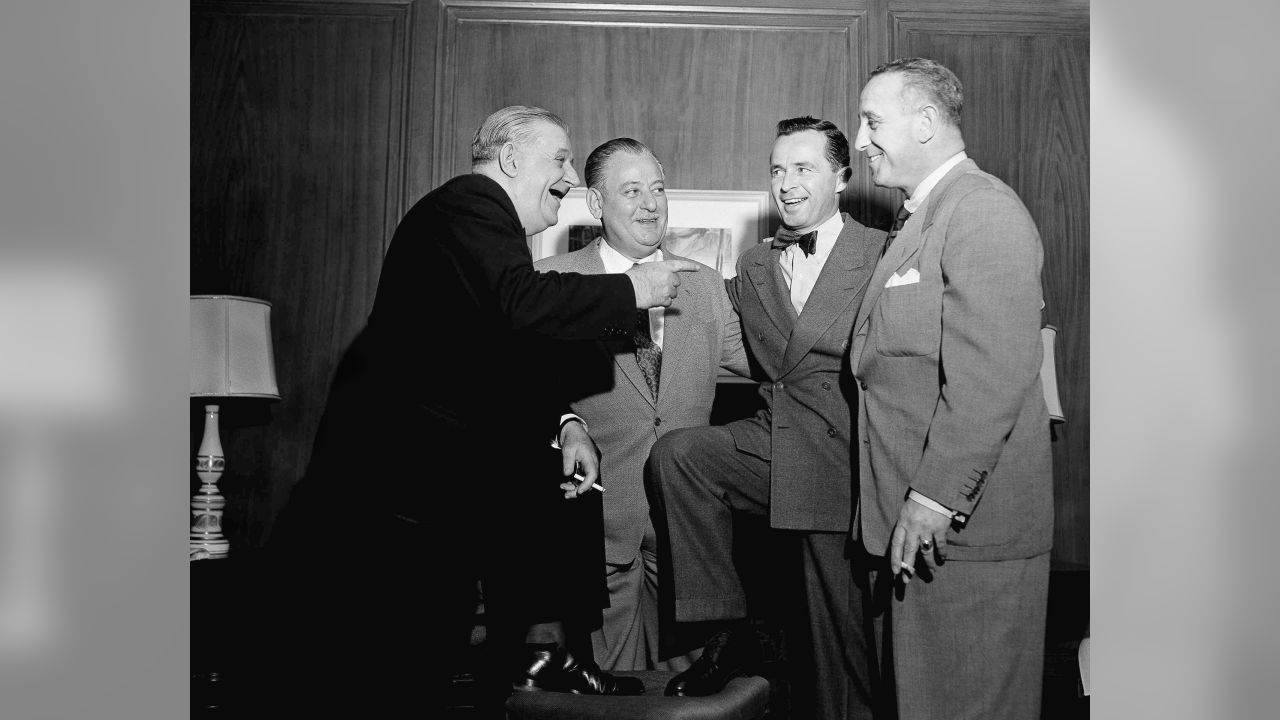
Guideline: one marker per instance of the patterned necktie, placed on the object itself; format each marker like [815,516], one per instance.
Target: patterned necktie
[898,222]
[785,237]
[648,354]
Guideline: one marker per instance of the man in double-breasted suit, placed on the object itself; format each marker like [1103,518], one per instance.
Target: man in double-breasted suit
[614,392]
[954,433]
[796,296]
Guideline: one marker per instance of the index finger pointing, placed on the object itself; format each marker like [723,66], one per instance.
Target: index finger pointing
[683,265]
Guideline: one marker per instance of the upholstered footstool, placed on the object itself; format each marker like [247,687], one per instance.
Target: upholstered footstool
[743,698]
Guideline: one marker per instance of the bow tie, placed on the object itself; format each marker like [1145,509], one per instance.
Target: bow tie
[784,237]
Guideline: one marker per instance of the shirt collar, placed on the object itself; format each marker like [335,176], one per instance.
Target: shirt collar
[616,262]
[914,202]
[828,233]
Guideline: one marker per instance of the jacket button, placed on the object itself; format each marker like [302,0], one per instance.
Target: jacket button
[760,336]
[826,385]
[862,384]
[657,422]
[831,432]
[778,385]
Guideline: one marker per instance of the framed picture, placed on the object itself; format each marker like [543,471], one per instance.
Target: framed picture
[713,227]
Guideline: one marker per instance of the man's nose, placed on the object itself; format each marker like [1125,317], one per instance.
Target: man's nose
[570,175]
[861,141]
[648,201]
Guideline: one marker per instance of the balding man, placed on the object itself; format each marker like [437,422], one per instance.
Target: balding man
[953,430]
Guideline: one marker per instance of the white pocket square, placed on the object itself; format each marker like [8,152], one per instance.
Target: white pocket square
[910,277]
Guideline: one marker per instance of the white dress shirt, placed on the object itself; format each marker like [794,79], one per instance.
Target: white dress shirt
[801,271]
[914,202]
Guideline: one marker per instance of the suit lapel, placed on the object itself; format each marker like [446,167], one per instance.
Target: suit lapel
[904,247]
[587,261]
[845,273]
[909,240]
[674,329]
[624,354]
[766,274]
[675,335]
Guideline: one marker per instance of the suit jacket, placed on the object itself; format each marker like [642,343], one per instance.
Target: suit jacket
[700,335]
[432,404]
[949,366]
[806,426]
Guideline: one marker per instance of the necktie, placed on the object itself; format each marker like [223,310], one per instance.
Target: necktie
[785,237]
[898,222]
[648,354]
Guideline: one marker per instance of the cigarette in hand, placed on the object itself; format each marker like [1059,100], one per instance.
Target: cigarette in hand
[580,477]
[907,568]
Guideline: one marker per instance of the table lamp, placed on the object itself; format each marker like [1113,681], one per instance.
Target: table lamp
[230,357]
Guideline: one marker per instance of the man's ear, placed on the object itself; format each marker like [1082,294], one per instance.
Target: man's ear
[843,177]
[928,122]
[507,160]
[594,203]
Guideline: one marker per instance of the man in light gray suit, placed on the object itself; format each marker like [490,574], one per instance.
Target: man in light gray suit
[631,392]
[953,430]
[793,462]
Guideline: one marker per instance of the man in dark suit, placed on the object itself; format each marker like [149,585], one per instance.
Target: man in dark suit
[632,392]
[797,296]
[431,469]
[953,429]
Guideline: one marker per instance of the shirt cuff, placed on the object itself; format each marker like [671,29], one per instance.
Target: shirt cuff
[931,504]
[564,420]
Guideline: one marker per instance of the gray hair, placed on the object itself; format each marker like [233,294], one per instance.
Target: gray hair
[511,124]
[932,80]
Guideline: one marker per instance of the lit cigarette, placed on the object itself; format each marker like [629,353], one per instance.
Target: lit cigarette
[580,477]
[906,568]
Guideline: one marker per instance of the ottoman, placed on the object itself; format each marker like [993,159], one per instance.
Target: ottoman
[743,698]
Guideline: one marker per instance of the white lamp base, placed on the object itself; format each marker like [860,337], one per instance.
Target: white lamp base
[207,540]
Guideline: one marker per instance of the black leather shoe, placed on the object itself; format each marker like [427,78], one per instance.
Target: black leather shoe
[556,670]
[589,679]
[541,669]
[728,654]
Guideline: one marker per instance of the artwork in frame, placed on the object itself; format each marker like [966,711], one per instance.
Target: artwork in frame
[713,227]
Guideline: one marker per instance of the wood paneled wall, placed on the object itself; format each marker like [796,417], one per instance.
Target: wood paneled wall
[315,124]
[297,165]
[703,89]
[1026,120]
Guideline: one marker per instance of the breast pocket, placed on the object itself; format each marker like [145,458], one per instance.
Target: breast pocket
[908,320]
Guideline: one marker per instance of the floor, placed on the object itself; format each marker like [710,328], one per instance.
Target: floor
[214,694]
[1067,623]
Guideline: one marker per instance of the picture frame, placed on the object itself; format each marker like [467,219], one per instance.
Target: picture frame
[713,227]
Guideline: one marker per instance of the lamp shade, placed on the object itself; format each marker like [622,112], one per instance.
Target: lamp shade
[231,353]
